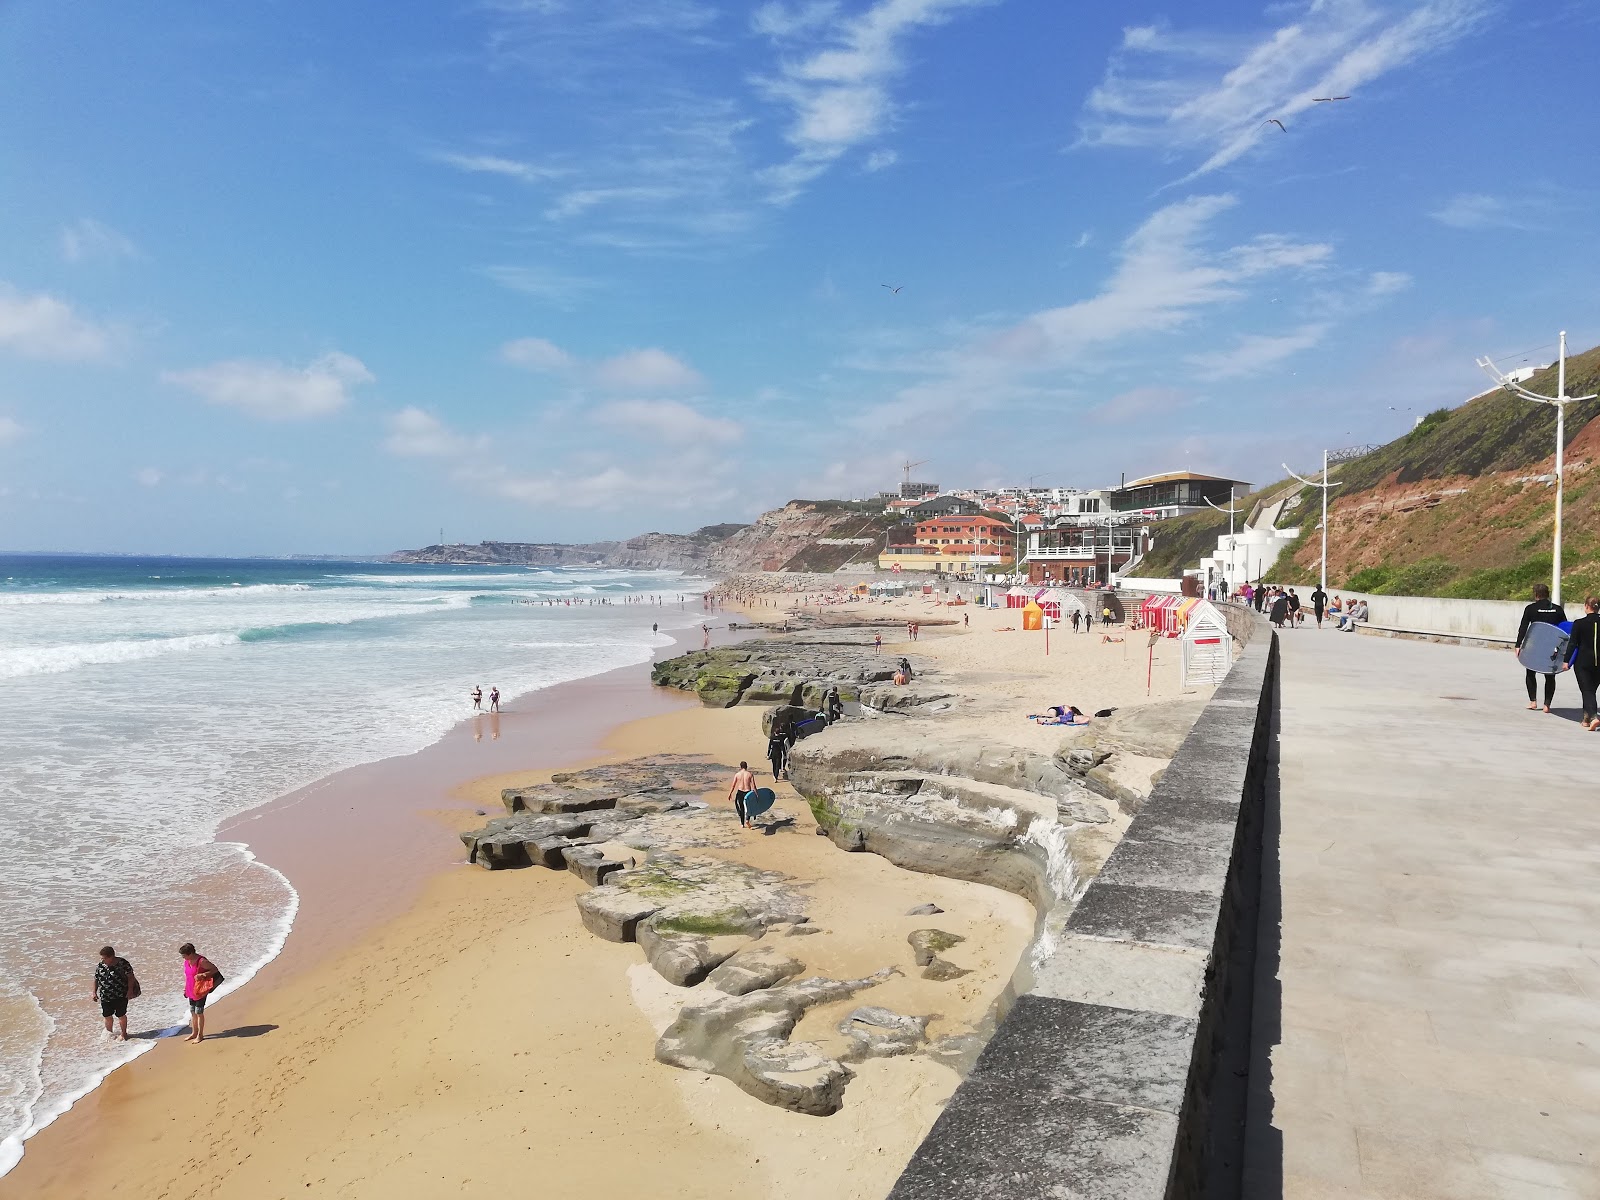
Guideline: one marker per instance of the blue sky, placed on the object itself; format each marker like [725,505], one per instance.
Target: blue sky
[287,277]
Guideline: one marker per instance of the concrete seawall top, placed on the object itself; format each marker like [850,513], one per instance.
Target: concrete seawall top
[1109,1078]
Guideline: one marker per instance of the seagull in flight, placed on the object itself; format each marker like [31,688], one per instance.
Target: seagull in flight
[1278,123]
[1327,99]
[892,288]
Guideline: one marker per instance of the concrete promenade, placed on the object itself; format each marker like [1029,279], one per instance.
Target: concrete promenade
[1429,1024]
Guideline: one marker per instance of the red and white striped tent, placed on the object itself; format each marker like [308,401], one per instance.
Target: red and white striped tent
[1017,597]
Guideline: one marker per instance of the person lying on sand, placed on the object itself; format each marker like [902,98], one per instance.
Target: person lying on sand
[1106,637]
[1060,714]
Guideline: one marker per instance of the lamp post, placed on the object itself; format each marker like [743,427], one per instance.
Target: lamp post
[1324,485]
[1559,402]
[1232,512]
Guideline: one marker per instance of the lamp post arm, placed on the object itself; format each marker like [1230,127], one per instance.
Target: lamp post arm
[1332,483]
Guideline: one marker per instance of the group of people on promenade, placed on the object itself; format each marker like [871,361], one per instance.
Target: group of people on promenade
[1582,655]
[1284,608]
[115,984]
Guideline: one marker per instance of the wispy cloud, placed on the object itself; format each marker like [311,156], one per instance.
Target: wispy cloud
[1203,93]
[149,477]
[494,164]
[1253,353]
[87,240]
[1387,283]
[274,391]
[1140,404]
[669,421]
[1165,276]
[839,89]
[11,430]
[649,370]
[41,326]
[546,283]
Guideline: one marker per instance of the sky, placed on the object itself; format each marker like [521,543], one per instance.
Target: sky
[287,277]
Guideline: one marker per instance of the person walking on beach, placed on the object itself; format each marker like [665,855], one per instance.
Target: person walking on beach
[777,751]
[705,642]
[877,643]
[1584,661]
[477,697]
[114,985]
[966,620]
[1541,612]
[743,784]
[1319,604]
[200,978]
[494,699]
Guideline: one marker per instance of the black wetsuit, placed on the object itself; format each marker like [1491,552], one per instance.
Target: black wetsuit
[777,753]
[1319,604]
[1540,612]
[1586,661]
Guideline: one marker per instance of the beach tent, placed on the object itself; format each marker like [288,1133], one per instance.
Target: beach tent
[1179,614]
[1032,616]
[1017,598]
[1055,604]
[1156,610]
[1207,645]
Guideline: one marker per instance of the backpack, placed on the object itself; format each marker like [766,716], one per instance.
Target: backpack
[134,990]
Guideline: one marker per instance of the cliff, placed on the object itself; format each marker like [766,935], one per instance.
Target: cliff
[803,535]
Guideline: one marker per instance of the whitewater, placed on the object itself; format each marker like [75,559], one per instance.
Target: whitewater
[147,701]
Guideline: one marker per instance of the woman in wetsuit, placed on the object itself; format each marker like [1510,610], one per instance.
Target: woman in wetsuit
[1541,611]
[1584,661]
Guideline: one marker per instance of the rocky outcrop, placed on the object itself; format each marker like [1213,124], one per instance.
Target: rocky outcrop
[754,968]
[881,1033]
[796,670]
[746,1039]
[926,945]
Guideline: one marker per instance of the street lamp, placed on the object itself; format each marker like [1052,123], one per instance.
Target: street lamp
[1324,485]
[1559,402]
[1233,579]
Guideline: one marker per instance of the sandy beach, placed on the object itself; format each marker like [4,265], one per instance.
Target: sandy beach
[432,1028]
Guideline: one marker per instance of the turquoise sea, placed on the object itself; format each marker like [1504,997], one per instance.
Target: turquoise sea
[147,700]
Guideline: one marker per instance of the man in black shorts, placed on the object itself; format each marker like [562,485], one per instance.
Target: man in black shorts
[113,982]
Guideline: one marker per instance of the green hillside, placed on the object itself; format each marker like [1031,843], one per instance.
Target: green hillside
[1456,506]
[1183,541]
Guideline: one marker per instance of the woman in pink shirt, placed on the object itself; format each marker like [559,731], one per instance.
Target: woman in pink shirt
[200,977]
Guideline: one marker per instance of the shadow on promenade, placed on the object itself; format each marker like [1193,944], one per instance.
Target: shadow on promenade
[1263,1142]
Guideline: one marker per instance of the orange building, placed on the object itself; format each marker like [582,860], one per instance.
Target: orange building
[954,544]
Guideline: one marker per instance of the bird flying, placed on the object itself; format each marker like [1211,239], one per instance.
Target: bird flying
[892,288]
[1327,99]
[1278,123]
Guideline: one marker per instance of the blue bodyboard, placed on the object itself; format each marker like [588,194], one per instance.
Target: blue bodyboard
[758,801]
[1545,647]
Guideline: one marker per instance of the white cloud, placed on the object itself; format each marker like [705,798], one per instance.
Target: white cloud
[839,92]
[542,282]
[149,477]
[494,164]
[1164,276]
[669,421]
[1206,93]
[648,370]
[1474,210]
[1254,352]
[415,433]
[880,160]
[88,239]
[1387,283]
[11,430]
[40,326]
[536,354]
[276,391]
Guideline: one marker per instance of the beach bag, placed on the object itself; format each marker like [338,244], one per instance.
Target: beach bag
[134,990]
[205,984]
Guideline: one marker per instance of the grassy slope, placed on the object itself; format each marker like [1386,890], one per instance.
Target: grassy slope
[1492,541]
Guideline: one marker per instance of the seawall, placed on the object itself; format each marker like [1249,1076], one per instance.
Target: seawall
[1117,1073]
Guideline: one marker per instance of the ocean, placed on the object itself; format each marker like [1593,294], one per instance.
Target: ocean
[147,700]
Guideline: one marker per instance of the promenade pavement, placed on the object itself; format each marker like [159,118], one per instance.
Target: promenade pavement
[1429,1024]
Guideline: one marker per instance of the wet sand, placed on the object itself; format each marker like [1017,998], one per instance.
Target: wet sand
[435,1029]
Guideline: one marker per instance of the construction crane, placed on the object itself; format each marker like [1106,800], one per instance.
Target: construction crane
[908,466]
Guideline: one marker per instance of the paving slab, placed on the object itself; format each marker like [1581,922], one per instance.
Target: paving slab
[1427,1015]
